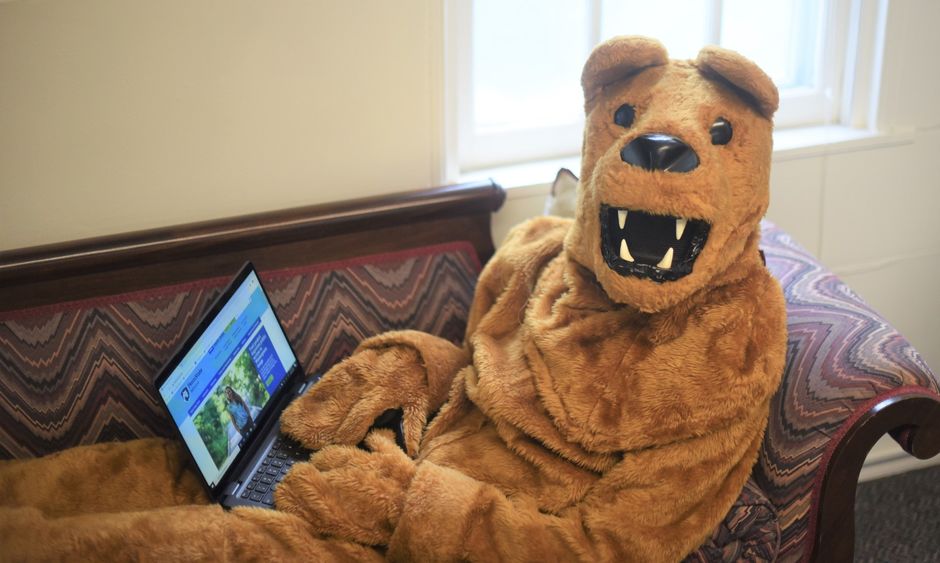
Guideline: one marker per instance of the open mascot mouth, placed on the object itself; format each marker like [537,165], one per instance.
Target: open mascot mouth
[658,247]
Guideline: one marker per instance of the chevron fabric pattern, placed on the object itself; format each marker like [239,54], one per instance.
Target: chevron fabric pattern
[749,532]
[82,372]
[841,355]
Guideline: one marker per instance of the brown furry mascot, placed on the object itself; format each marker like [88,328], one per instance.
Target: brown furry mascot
[608,403]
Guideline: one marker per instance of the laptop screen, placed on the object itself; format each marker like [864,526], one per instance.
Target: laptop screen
[219,388]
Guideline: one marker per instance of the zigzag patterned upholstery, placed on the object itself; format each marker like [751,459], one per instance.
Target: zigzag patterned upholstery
[82,372]
[842,357]
[750,531]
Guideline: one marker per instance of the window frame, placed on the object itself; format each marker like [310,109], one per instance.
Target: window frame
[835,100]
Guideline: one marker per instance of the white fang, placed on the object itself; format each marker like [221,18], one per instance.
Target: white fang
[666,262]
[680,227]
[624,251]
[622,217]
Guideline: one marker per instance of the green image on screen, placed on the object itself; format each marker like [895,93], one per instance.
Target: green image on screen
[213,420]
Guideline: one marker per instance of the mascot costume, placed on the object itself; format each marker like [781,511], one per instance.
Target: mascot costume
[608,402]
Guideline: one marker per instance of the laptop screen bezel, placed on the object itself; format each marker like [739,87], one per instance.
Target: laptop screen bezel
[289,382]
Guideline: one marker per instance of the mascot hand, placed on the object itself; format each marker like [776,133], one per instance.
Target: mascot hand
[350,493]
[404,370]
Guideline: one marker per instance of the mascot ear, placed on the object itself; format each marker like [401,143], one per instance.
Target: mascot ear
[618,58]
[742,76]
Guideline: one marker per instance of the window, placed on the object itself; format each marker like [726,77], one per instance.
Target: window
[516,95]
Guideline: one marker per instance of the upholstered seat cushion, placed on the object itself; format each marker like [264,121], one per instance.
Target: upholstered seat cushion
[749,532]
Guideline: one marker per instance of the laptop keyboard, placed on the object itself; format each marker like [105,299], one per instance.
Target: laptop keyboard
[281,457]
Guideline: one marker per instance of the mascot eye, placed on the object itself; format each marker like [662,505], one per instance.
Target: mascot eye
[721,131]
[624,115]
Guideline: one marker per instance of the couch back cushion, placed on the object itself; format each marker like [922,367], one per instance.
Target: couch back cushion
[82,372]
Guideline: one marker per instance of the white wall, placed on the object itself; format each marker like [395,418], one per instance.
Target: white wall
[119,115]
[869,216]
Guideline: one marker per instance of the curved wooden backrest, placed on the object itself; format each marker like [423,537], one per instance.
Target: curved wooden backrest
[318,233]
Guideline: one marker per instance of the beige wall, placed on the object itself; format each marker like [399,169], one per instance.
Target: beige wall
[119,115]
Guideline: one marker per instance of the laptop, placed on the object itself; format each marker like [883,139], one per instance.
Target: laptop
[225,388]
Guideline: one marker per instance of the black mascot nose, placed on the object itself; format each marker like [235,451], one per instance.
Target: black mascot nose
[656,151]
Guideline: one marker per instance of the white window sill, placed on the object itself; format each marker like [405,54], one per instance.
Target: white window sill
[535,178]
[808,142]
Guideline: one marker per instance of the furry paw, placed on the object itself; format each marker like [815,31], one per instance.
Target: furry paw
[341,407]
[407,370]
[350,493]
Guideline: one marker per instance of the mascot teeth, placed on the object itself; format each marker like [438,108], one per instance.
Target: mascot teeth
[625,251]
[658,247]
[666,262]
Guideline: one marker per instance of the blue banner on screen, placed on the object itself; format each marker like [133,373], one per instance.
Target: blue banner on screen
[266,361]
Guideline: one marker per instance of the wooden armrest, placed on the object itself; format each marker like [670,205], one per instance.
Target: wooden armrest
[911,409]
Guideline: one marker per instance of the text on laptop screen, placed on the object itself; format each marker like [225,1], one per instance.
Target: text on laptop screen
[220,387]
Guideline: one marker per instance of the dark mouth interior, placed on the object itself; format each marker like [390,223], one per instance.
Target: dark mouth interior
[647,246]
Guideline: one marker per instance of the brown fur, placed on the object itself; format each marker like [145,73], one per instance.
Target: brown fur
[590,415]
[138,501]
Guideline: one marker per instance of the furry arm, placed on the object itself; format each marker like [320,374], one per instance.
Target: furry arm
[633,513]
[409,370]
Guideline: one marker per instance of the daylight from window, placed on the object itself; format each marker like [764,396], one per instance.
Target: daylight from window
[523,81]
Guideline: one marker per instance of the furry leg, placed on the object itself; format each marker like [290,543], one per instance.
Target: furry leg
[196,532]
[107,477]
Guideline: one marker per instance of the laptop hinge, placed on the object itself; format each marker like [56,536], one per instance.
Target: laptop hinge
[231,488]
